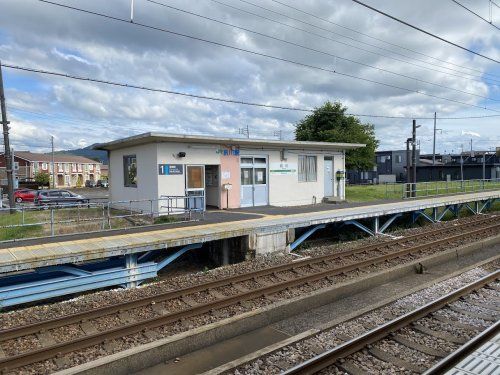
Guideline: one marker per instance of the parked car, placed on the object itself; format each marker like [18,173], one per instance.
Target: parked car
[57,196]
[24,195]
[90,184]
[102,183]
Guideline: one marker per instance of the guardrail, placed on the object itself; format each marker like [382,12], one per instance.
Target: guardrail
[439,188]
[54,219]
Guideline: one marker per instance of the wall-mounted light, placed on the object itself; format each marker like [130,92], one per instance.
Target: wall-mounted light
[181,154]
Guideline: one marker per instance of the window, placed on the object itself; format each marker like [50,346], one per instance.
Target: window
[399,159]
[260,176]
[246,176]
[307,168]
[195,177]
[130,171]
[44,166]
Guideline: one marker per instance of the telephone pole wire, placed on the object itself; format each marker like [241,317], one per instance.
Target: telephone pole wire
[7,151]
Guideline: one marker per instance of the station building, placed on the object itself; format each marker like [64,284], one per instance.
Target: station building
[228,172]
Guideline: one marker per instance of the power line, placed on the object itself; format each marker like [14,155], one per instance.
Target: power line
[225,100]
[380,40]
[137,24]
[460,75]
[356,40]
[318,51]
[477,15]
[425,32]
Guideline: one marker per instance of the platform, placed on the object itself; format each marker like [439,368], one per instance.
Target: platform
[253,222]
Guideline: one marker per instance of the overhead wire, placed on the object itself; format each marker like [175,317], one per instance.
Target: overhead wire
[461,75]
[416,79]
[425,31]
[225,100]
[379,39]
[276,58]
[476,14]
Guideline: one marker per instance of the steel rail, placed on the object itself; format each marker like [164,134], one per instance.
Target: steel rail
[14,332]
[461,353]
[331,356]
[77,343]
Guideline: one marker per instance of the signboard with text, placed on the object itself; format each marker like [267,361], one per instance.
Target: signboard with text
[170,169]
[283,168]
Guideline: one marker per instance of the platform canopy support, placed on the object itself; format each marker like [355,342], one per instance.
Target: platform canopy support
[56,281]
[305,236]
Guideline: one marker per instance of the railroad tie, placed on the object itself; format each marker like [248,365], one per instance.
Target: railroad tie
[487,306]
[217,294]
[419,347]
[88,328]
[350,367]
[456,323]
[387,357]
[438,334]
[61,360]
[189,301]
[45,338]
[474,314]
[2,354]
[159,308]
[125,317]
[240,288]
[151,334]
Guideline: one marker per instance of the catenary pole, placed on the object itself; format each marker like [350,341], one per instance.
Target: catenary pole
[434,142]
[414,158]
[7,151]
[52,162]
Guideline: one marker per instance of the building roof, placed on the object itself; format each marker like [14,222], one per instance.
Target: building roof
[58,158]
[152,137]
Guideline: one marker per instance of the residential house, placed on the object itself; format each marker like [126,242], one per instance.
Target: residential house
[70,170]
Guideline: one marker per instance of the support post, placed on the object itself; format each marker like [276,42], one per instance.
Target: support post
[414,159]
[131,266]
[9,167]
[52,162]
[376,225]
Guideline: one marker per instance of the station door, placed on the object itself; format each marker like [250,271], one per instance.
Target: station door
[254,184]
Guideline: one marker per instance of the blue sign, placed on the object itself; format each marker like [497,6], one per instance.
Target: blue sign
[170,169]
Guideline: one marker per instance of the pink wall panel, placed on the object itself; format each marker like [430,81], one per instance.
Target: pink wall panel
[230,173]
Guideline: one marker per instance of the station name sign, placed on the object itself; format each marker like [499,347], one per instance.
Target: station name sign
[227,152]
[170,169]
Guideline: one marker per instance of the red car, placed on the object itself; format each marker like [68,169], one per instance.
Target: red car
[24,195]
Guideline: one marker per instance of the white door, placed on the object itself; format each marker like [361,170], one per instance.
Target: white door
[254,185]
[328,176]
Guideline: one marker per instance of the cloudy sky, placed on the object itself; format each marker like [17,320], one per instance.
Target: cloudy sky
[340,36]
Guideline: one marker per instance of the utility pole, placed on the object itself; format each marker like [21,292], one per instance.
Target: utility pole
[414,158]
[434,142]
[53,164]
[7,152]
[462,164]
[484,166]
[408,170]
[471,152]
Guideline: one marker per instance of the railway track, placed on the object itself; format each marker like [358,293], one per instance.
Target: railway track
[343,358]
[263,283]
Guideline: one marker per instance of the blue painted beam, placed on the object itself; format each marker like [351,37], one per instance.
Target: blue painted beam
[305,236]
[389,222]
[59,286]
[176,255]
[360,226]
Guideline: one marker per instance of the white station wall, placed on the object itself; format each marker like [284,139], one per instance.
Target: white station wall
[147,186]
[285,188]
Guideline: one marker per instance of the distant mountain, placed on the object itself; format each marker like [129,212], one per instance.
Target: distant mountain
[88,152]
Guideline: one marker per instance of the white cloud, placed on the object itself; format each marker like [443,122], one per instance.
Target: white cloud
[81,113]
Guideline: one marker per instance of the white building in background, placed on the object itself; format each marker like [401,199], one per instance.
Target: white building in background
[229,172]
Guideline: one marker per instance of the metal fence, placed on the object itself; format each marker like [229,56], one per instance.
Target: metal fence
[437,188]
[49,220]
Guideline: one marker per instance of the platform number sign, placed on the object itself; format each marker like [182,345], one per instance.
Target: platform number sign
[170,169]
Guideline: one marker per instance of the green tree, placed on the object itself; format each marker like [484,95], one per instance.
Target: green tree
[42,178]
[329,123]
